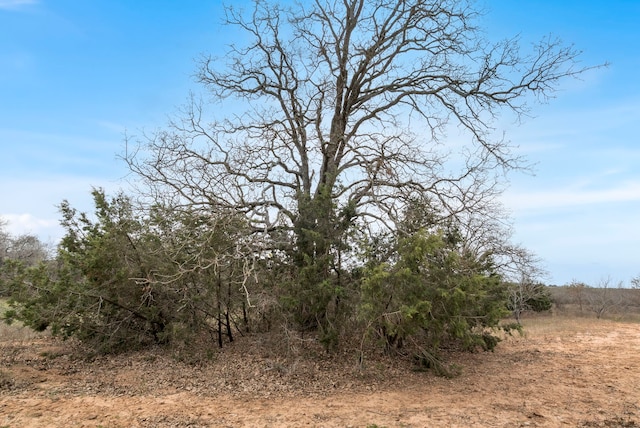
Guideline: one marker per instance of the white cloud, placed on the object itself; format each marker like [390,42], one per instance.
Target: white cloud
[31,205]
[23,224]
[584,229]
[583,244]
[15,4]
[571,196]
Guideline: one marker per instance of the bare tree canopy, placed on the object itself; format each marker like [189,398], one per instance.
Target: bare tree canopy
[345,186]
[26,248]
[345,109]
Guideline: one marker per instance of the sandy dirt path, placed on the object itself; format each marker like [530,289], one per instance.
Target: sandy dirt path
[565,372]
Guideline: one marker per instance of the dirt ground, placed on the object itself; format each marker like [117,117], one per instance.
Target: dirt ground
[563,372]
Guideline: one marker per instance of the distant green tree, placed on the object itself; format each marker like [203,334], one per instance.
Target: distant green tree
[526,295]
[540,299]
[127,279]
[92,292]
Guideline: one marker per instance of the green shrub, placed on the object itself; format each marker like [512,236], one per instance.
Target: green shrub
[434,293]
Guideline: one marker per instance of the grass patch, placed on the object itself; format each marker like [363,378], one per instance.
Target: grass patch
[4,305]
[14,331]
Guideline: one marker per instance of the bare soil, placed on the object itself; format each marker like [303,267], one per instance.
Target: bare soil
[563,372]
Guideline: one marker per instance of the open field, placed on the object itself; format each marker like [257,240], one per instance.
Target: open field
[566,371]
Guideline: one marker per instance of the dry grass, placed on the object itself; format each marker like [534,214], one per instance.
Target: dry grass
[14,332]
[566,371]
[17,333]
[549,324]
[621,304]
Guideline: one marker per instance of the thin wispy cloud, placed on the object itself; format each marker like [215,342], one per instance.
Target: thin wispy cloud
[31,205]
[111,126]
[20,224]
[16,4]
[573,196]
[53,152]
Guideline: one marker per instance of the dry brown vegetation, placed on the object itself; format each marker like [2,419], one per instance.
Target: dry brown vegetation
[618,304]
[565,371]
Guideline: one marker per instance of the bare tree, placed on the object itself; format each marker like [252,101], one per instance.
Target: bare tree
[5,240]
[345,104]
[635,290]
[522,269]
[602,298]
[345,109]
[28,249]
[577,290]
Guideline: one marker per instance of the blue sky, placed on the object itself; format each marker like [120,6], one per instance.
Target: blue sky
[75,75]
